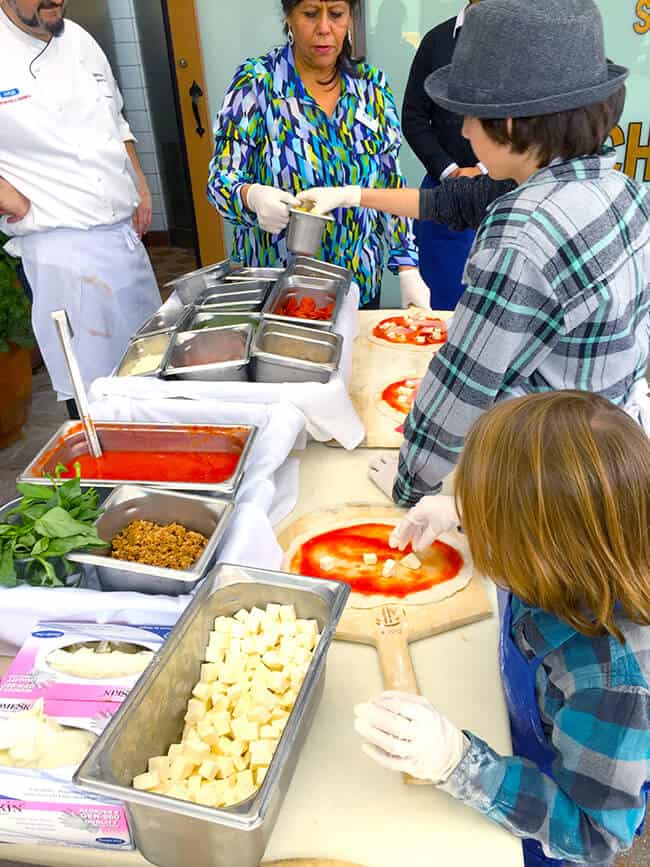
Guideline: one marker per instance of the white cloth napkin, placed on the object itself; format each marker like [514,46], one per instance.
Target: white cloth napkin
[327,408]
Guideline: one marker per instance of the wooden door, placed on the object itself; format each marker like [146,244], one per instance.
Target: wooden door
[187,62]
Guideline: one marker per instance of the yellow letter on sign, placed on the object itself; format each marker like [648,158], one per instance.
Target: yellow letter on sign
[643,14]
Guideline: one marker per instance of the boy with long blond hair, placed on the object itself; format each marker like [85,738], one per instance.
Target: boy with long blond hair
[554,493]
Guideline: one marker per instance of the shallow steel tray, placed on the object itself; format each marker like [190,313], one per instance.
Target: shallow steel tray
[189,286]
[202,319]
[138,347]
[324,291]
[283,352]
[151,718]
[184,343]
[207,515]
[164,320]
[69,442]
[309,267]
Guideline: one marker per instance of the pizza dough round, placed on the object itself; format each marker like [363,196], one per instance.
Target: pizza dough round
[295,535]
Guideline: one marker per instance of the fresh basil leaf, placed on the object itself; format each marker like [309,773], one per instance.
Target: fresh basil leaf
[40,547]
[34,492]
[59,547]
[7,570]
[58,523]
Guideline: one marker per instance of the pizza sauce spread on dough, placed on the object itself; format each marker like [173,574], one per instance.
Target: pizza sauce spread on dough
[411,330]
[401,395]
[156,467]
[346,547]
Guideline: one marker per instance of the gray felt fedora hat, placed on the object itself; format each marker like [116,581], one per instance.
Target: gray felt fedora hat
[520,59]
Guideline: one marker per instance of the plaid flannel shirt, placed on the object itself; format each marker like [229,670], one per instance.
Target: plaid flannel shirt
[557,297]
[594,701]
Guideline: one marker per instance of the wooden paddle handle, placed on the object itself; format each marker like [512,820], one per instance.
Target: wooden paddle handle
[395,660]
[397,670]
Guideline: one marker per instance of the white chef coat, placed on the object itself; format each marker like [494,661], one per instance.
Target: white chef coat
[62,131]
[62,137]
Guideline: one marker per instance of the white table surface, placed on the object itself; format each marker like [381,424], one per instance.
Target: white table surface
[340,804]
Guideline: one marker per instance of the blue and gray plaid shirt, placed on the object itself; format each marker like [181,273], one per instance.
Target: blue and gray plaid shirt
[594,701]
[557,297]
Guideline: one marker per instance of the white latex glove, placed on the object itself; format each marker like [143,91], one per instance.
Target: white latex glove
[271,206]
[326,199]
[425,522]
[413,289]
[404,732]
[382,471]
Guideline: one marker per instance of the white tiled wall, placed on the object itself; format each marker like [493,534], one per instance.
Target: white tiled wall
[130,74]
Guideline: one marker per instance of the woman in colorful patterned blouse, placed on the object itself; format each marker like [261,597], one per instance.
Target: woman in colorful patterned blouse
[301,116]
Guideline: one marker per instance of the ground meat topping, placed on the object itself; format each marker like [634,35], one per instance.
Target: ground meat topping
[171,546]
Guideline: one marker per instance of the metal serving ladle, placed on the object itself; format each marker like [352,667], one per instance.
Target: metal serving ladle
[62,325]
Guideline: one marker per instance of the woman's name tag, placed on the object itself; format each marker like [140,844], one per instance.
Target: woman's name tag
[371,122]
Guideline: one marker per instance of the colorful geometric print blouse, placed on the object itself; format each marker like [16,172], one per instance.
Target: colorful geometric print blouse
[271,131]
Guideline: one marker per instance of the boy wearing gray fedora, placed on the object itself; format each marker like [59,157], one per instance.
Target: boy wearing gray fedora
[557,297]
[558,279]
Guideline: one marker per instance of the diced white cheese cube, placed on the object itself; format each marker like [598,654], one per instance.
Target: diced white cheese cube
[388,568]
[144,782]
[223,624]
[411,562]
[202,691]
[287,613]
[159,765]
[327,563]
[244,729]
[262,752]
[370,559]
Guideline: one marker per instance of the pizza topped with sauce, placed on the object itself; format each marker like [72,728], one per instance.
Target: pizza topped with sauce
[361,556]
[400,395]
[411,329]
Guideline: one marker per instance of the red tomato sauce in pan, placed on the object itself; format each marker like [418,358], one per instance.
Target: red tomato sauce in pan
[157,467]
[347,547]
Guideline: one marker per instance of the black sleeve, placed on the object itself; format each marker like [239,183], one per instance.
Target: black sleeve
[416,112]
[460,203]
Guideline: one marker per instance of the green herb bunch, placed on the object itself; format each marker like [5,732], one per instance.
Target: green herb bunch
[50,521]
[15,312]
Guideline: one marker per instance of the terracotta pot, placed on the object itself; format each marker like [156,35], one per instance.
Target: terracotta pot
[16,392]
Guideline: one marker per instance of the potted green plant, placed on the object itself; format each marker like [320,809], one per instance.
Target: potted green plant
[16,342]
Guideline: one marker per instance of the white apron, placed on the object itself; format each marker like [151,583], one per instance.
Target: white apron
[104,280]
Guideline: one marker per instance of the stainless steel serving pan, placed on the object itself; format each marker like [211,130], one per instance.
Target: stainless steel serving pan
[141,347]
[183,360]
[189,286]
[235,296]
[324,291]
[226,287]
[283,352]
[254,273]
[204,319]
[309,267]
[69,442]
[164,320]
[151,718]
[207,515]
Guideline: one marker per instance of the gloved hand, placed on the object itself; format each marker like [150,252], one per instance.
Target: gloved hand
[413,289]
[271,206]
[404,732]
[326,199]
[425,522]
[382,472]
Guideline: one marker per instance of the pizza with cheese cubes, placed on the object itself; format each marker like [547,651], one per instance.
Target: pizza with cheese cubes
[253,667]
[351,544]
[417,330]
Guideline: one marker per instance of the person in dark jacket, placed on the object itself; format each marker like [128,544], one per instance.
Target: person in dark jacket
[435,136]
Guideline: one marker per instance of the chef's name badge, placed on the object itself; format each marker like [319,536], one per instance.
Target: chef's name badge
[371,122]
[12,95]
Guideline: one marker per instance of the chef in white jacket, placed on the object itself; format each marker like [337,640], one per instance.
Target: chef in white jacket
[72,192]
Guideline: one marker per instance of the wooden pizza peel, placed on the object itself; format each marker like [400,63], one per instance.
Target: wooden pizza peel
[391,625]
[376,366]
